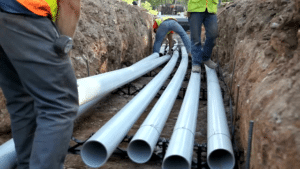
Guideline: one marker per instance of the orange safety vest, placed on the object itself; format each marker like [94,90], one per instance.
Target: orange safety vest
[41,7]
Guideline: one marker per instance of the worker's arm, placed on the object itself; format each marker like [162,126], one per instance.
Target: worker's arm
[170,39]
[68,16]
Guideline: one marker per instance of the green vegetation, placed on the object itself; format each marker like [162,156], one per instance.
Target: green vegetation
[128,1]
[146,5]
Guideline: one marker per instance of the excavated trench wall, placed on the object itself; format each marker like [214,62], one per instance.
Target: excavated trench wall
[111,34]
[263,38]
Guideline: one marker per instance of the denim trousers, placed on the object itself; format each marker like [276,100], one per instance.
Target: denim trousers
[164,28]
[210,22]
[40,88]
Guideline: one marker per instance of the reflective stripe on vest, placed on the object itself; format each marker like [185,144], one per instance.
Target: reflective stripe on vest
[41,7]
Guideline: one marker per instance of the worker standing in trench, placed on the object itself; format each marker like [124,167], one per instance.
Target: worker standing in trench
[203,12]
[37,78]
[166,26]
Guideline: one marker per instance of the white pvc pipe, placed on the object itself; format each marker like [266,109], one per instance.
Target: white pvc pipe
[96,151]
[91,90]
[219,148]
[156,55]
[94,88]
[162,49]
[142,145]
[180,150]
[8,155]
[151,57]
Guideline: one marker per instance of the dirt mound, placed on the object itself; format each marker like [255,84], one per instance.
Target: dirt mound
[110,34]
[262,38]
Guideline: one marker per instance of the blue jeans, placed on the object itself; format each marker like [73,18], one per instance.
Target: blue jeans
[164,28]
[210,22]
[40,88]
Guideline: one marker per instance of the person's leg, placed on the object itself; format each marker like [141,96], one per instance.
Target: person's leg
[50,81]
[21,108]
[185,38]
[196,20]
[161,32]
[170,39]
[211,32]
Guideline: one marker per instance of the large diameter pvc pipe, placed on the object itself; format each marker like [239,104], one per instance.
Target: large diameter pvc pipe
[151,57]
[180,150]
[162,49]
[94,88]
[91,90]
[8,155]
[219,149]
[156,55]
[142,145]
[96,151]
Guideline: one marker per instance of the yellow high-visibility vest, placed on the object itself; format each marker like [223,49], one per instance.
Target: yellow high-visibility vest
[201,5]
[41,7]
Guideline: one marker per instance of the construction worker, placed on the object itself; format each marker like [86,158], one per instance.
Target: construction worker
[37,78]
[166,26]
[203,12]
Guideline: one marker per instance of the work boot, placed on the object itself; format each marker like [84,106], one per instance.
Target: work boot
[196,69]
[209,63]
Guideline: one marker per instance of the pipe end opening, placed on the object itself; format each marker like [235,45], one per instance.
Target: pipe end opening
[139,151]
[221,159]
[94,154]
[175,162]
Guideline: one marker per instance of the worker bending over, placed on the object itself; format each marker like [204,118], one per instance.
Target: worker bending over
[203,12]
[162,27]
[37,78]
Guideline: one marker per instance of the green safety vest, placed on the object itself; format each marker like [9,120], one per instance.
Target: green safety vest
[200,6]
[159,21]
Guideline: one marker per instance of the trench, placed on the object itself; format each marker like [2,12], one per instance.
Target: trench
[91,121]
[267,70]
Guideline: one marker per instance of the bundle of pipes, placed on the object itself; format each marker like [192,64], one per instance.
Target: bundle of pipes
[96,150]
[219,151]
[91,90]
[142,145]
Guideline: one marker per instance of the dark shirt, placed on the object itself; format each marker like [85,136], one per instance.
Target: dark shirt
[12,6]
